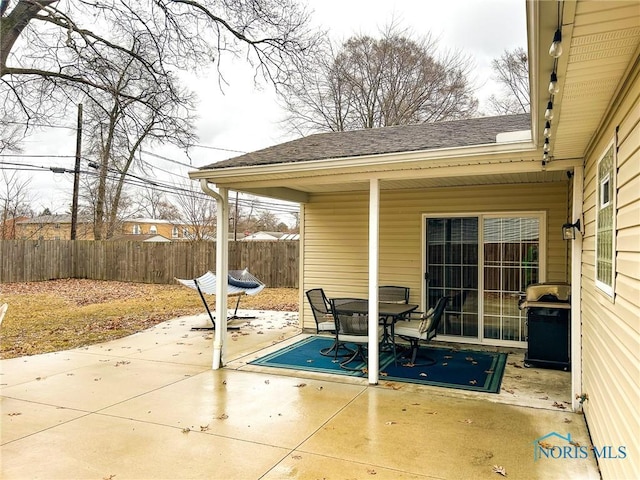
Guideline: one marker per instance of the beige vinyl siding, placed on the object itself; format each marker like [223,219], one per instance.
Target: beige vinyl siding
[335,254]
[611,326]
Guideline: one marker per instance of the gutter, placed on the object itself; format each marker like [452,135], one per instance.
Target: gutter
[462,154]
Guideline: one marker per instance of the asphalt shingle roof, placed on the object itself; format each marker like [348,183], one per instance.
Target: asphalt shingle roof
[402,138]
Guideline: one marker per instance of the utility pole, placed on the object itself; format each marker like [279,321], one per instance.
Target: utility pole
[76,176]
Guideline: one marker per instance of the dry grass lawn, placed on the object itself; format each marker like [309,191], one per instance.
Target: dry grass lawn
[62,314]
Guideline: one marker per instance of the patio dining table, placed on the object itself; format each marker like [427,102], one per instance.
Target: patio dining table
[389,314]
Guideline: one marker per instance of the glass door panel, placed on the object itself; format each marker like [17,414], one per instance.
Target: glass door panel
[452,270]
[510,247]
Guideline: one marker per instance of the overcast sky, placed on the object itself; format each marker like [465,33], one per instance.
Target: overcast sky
[245,118]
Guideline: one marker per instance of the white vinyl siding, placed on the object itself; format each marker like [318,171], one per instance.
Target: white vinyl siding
[335,254]
[611,329]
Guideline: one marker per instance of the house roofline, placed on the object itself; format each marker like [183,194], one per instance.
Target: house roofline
[368,161]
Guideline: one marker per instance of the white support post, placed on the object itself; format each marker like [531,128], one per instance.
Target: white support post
[222,270]
[576,287]
[374,222]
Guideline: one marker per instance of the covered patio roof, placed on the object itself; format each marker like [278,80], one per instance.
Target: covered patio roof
[601,42]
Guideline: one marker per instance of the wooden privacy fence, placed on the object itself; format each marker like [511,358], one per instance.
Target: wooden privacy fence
[273,262]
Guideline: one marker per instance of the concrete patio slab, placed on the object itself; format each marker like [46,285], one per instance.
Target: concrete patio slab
[149,406]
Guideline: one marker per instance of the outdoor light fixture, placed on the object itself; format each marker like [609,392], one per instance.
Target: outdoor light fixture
[569,230]
[556,47]
[548,114]
[553,84]
[547,130]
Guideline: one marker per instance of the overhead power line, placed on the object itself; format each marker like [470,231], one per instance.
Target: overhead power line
[218,148]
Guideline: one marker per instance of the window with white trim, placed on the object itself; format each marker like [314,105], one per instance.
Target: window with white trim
[136,230]
[174,232]
[605,222]
[153,229]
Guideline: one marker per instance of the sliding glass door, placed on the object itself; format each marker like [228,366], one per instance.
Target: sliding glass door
[483,263]
[452,270]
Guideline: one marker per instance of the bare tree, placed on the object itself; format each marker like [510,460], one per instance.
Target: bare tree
[267,221]
[154,204]
[52,51]
[368,82]
[119,127]
[512,72]
[14,201]
[198,211]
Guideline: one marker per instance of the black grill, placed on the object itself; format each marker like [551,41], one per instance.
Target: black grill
[548,308]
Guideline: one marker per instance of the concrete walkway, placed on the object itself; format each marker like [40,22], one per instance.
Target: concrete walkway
[148,406]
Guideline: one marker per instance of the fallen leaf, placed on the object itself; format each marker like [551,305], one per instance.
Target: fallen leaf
[423,374]
[296,457]
[224,416]
[371,471]
[14,414]
[500,470]
[559,405]
[390,423]
[546,445]
[473,382]
[300,385]
[567,420]
[204,428]
[467,420]
[186,430]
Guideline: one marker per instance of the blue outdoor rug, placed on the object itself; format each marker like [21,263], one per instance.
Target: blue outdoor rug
[463,369]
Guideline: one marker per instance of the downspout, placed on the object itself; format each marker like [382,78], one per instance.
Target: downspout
[576,289]
[222,270]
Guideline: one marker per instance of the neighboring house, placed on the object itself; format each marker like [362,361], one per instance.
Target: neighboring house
[154,226]
[58,227]
[140,238]
[270,236]
[470,206]
[53,227]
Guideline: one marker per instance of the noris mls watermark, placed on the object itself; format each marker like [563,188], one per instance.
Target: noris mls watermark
[555,446]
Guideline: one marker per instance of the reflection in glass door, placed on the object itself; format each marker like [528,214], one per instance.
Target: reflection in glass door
[452,270]
[511,263]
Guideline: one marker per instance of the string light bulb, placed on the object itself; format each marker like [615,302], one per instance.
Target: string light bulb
[547,130]
[553,84]
[548,114]
[556,46]
[547,146]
